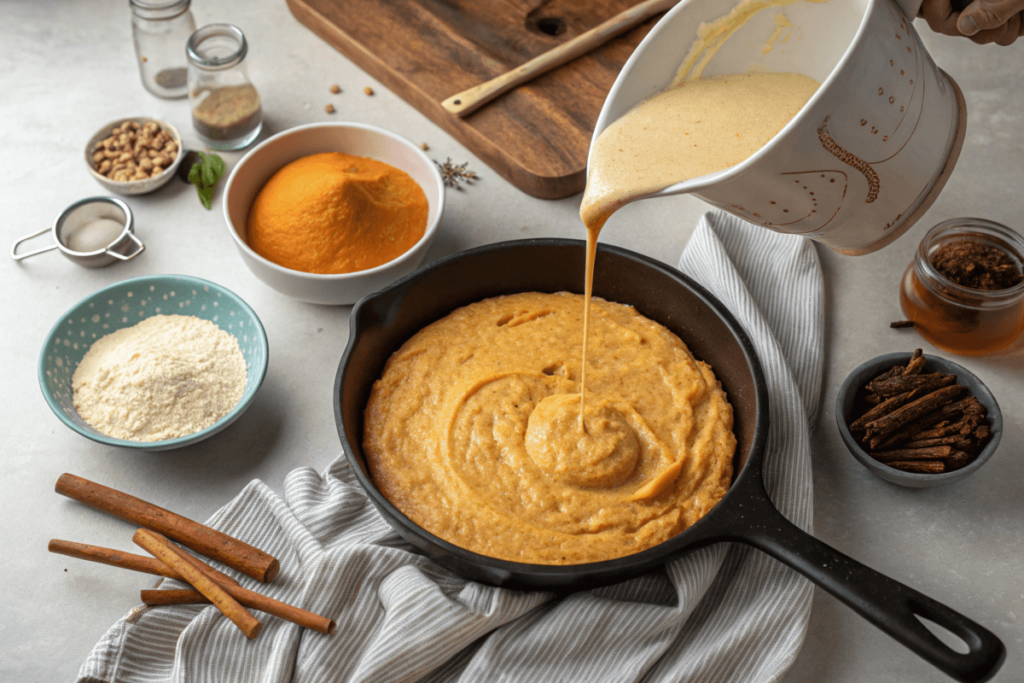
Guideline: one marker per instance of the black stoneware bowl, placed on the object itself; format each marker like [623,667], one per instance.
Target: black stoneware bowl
[381,322]
[850,403]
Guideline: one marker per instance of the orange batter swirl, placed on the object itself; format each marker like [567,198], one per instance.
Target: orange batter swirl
[473,431]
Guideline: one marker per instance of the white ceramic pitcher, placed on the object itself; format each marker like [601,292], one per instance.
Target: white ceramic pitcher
[867,155]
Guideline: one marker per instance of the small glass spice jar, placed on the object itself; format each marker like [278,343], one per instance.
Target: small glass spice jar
[160,30]
[959,319]
[226,110]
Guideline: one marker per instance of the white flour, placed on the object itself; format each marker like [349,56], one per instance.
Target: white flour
[167,377]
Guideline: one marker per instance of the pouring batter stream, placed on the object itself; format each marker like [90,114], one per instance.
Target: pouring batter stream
[698,127]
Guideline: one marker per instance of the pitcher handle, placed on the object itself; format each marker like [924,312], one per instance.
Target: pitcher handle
[140,247]
[14,248]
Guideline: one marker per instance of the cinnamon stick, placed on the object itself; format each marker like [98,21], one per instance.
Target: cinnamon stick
[932,453]
[250,599]
[887,424]
[957,442]
[903,383]
[883,408]
[935,424]
[114,558]
[173,557]
[215,574]
[922,466]
[173,596]
[154,566]
[204,540]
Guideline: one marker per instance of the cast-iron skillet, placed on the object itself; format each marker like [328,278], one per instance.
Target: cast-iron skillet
[381,322]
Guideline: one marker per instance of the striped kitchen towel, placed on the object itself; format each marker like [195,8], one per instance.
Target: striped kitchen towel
[724,613]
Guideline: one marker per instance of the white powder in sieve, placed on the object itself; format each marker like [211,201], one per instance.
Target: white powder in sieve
[167,377]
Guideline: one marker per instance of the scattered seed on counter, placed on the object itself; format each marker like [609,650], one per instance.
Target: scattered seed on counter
[368,90]
[329,109]
[335,88]
[424,146]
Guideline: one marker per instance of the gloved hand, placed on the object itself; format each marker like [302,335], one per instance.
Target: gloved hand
[984,21]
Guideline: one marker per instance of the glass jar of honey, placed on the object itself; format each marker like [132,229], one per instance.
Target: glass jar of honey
[960,319]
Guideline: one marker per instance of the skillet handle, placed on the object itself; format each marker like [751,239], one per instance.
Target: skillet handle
[886,603]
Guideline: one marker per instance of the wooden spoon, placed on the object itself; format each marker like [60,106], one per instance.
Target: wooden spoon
[468,101]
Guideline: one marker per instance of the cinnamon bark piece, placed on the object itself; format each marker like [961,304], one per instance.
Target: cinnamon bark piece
[971,422]
[173,557]
[937,424]
[957,459]
[891,372]
[881,409]
[957,442]
[887,424]
[933,453]
[209,542]
[903,383]
[916,364]
[921,466]
[982,432]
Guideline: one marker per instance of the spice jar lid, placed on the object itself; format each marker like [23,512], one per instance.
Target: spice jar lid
[159,9]
[217,46]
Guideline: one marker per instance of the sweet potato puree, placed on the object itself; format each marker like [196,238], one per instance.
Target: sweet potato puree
[336,213]
[473,431]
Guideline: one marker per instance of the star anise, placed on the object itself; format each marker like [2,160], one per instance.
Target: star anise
[452,174]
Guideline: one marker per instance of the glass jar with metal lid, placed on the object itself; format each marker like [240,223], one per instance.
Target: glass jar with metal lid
[226,111]
[160,30]
[957,318]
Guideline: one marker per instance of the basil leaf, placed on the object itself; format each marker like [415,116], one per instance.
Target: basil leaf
[205,174]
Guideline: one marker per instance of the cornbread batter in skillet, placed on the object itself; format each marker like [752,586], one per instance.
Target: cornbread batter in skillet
[473,431]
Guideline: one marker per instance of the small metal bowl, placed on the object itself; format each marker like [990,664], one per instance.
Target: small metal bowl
[851,398]
[126,303]
[133,186]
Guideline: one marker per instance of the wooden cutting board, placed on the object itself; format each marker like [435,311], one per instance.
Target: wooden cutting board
[535,136]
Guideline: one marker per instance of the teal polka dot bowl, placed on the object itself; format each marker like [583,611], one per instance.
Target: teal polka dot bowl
[127,303]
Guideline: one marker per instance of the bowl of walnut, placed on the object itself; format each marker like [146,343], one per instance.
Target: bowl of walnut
[134,155]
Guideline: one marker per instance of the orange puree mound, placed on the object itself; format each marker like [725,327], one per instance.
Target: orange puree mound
[337,213]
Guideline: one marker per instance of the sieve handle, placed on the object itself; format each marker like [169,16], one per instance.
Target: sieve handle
[14,248]
[140,247]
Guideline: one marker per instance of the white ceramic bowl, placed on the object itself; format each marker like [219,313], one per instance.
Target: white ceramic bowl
[256,168]
[133,186]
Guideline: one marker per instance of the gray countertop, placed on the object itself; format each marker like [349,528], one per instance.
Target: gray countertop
[68,67]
